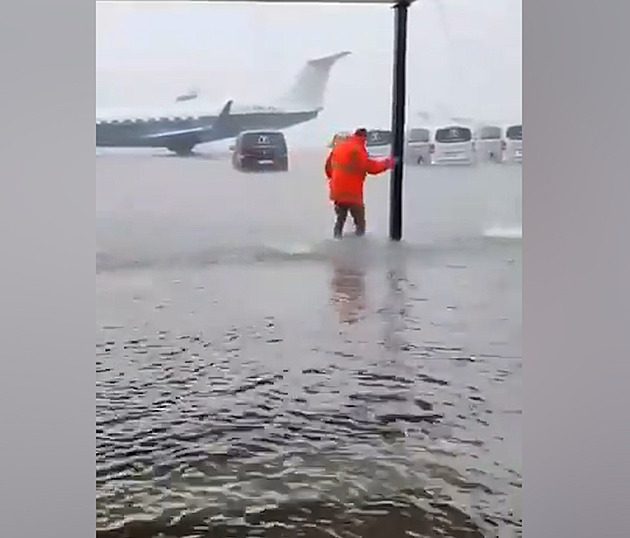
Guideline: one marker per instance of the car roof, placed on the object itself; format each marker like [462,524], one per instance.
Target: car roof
[261,131]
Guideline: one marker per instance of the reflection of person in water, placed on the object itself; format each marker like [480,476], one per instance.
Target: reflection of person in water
[348,291]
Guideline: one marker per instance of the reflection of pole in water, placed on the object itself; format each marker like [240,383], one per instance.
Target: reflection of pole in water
[348,292]
[395,310]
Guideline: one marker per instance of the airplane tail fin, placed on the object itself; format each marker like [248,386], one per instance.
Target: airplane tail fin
[309,87]
[225,111]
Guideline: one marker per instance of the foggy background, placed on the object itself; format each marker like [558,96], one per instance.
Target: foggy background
[464,57]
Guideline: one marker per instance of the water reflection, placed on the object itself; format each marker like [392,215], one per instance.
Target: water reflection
[222,416]
[393,312]
[348,288]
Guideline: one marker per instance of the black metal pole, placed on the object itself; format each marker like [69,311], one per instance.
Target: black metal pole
[398,119]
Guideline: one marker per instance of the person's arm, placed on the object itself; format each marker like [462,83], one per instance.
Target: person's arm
[374,166]
[328,166]
[377,166]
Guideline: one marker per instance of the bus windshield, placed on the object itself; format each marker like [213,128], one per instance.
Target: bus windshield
[451,135]
[419,135]
[490,133]
[515,132]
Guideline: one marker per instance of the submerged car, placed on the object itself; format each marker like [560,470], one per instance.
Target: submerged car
[260,150]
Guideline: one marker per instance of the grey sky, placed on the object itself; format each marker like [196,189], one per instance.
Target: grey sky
[464,54]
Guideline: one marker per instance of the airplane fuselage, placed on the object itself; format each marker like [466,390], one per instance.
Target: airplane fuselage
[140,132]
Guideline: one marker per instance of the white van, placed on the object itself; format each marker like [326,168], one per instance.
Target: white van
[514,143]
[453,144]
[418,146]
[489,143]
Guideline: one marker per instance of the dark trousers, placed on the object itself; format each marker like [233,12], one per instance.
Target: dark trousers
[357,211]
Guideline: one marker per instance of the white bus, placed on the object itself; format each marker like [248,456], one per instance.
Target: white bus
[453,144]
[489,143]
[514,143]
[418,146]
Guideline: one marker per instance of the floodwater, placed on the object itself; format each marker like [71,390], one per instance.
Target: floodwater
[257,378]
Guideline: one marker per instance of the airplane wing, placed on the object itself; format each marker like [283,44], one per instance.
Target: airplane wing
[180,132]
[218,123]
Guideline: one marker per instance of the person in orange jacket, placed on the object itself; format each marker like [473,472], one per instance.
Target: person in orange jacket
[347,165]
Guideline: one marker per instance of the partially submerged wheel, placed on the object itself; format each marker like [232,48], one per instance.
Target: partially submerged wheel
[183,150]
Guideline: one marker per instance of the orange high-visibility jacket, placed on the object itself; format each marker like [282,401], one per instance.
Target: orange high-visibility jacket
[337,138]
[346,167]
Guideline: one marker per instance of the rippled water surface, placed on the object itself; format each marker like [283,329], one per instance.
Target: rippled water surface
[255,378]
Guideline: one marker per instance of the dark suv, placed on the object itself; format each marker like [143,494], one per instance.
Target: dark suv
[260,150]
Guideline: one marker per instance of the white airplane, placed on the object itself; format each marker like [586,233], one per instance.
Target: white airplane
[182,125]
